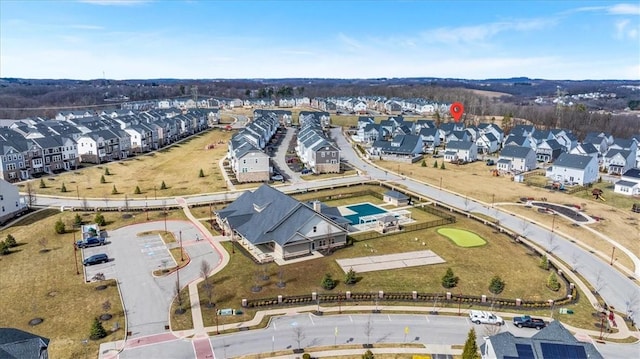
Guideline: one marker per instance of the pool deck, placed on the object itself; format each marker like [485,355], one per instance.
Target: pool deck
[390,261]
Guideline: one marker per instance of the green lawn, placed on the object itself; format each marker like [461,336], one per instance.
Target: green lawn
[462,238]
[500,255]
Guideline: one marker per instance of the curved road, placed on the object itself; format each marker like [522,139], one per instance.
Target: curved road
[616,289]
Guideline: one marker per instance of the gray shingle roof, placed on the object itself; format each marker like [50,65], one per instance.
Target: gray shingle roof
[395,194]
[572,161]
[515,151]
[626,183]
[18,344]
[459,145]
[634,172]
[267,215]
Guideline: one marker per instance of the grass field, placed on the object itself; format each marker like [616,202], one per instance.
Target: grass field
[476,181]
[462,238]
[178,166]
[45,284]
[474,266]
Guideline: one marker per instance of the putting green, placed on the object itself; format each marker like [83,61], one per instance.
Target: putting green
[462,238]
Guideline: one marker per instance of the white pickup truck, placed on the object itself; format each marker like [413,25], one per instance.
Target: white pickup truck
[482,317]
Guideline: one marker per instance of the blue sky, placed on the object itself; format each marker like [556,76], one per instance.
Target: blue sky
[127,39]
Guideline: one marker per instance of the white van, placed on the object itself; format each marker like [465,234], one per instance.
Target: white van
[482,317]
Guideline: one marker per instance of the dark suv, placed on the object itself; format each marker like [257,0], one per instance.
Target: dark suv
[90,242]
[96,259]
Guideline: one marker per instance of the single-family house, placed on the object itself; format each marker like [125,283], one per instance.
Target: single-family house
[250,164]
[599,142]
[430,139]
[629,183]
[548,150]
[403,148]
[552,342]
[487,143]
[573,169]
[465,151]
[273,225]
[585,149]
[516,159]
[515,140]
[617,161]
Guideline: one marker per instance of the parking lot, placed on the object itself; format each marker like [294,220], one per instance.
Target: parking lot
[156,252]
[107,269]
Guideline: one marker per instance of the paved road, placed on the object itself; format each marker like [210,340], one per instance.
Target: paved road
[615,288]
[146,298]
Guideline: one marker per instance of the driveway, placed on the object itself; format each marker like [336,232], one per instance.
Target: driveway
[146,298]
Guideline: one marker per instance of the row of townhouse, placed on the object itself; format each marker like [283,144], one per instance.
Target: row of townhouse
[36,146]
[314,148]
[246,149]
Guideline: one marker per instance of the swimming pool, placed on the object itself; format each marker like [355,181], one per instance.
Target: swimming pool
[361,210]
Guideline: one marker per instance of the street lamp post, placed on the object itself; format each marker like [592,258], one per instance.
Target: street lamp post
[146,207]
[217,327]
[154,192]
[78,192]
[441,183]
[75,252]
[165,219]
[181,252]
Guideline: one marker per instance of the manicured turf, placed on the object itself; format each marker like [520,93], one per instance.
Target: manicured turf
[462,238]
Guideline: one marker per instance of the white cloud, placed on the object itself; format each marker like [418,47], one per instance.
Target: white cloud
[618,9]
[483,32]
[624,31]
[624,9]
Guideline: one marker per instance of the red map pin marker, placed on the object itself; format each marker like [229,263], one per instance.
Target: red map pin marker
[456,110]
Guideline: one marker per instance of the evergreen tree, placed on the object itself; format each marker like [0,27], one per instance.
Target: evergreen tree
[77,220]
[10,241]
[424,163]
[368,355]
[137,190]
[59,227]
[99,219]
[449,280]
[106,171]
[435,164]
[350,277]
[4,248]
[163,185]
[552,282]
[102,180]
[201,174]
[114,190]
[42,184]
[496,286]
[470,350]
[544,262]
[97,330]
[63,188]
[442,165]
[327,282]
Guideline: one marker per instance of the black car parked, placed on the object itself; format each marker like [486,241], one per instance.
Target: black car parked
[96,259]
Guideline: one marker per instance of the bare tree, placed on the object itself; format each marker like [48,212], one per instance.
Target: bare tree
[43,241]
[208,291]
[575,261]
[31,195]
[599,282]
[551,239]
[298,336]
[205,268]
[178,294]
[524,227]
[126,203]
[490,330]
[368,330]
[632,299]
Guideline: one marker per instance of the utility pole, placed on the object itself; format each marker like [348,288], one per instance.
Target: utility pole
[613,251]
[75,252]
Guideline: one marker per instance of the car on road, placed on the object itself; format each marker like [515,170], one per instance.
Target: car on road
[95,259]
[90,242]
[277,177]
[482,317]
[526,321]
[305,171]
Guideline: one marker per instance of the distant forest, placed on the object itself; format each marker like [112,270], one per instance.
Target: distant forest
[22,98]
